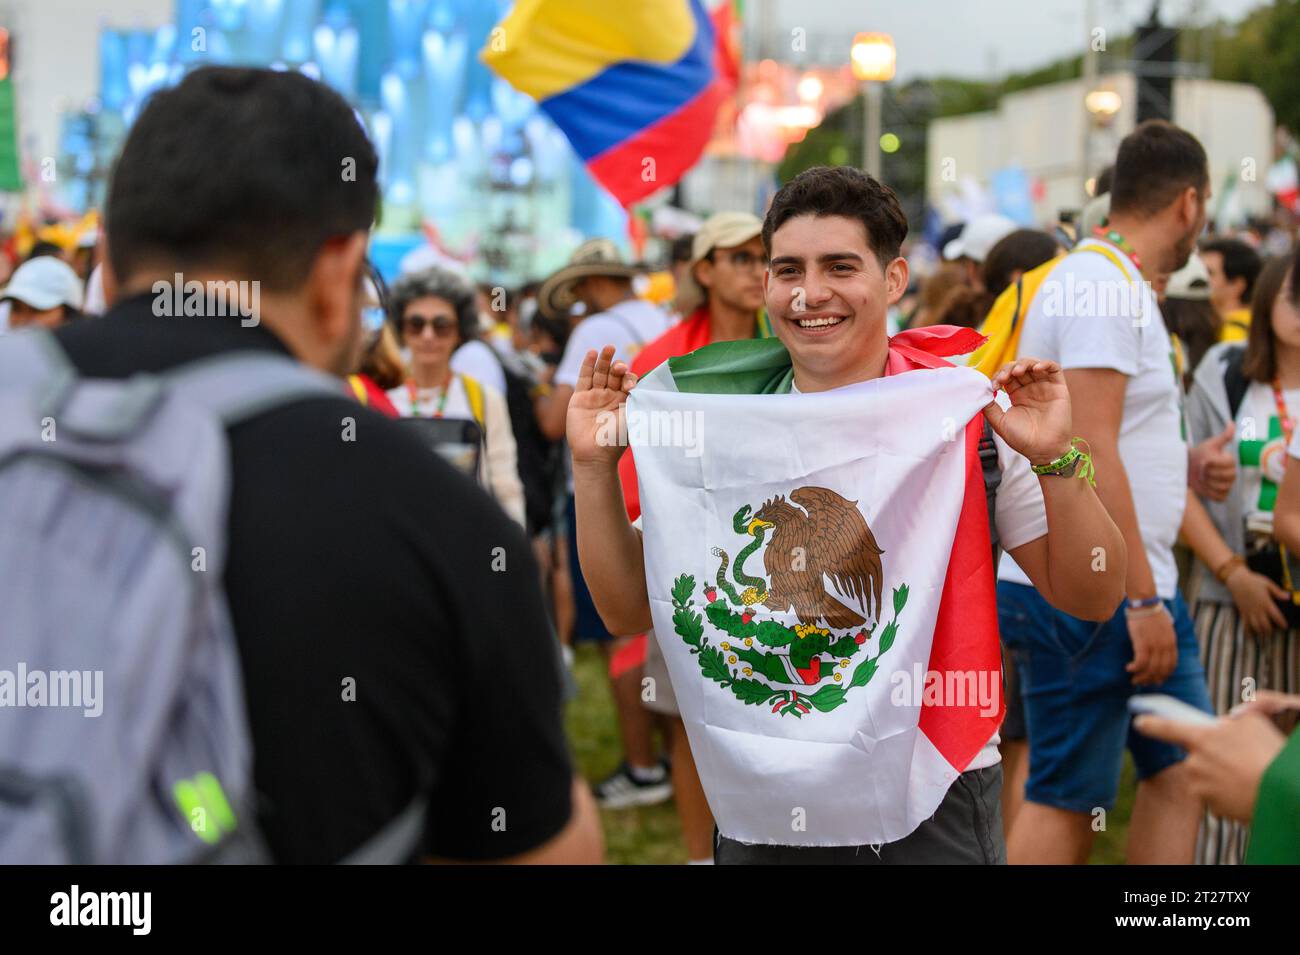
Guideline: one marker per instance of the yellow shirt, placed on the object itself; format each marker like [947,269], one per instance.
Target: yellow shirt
[1236,324]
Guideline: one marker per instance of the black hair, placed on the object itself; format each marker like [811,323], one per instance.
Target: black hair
[1240,261]
[44,248]
[841,191]
[1102,186]
[248,170]
[1260,363]
[682,249]
[437,282]
[1156,162]
[1017,251]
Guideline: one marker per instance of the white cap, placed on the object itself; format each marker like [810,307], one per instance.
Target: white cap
[978,237]
[43,283]
[1191,282]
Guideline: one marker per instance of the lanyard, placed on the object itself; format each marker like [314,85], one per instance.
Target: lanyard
[1119,242]
[413,392]
[1288,425]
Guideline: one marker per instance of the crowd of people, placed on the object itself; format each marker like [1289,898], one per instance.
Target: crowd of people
[454,609]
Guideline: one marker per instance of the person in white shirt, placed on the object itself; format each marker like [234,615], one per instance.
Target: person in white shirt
[434,312]
[1096,314]
[598,277]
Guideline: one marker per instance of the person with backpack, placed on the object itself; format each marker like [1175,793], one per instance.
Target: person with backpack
[1246,611]
[434,311]
[319,643]
[1095,313]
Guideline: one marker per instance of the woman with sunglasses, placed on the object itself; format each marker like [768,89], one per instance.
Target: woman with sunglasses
[435,312]
[1247,620]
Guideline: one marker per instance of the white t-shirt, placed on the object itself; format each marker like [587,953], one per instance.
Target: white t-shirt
[1261,452]
[476,360]
[457,405]
[1086,316]
[629,326]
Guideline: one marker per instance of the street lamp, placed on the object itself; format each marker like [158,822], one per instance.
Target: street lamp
[873,59]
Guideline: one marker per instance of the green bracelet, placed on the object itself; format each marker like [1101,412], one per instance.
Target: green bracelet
[1075,461]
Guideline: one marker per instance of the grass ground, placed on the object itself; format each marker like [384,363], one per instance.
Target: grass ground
[651,834]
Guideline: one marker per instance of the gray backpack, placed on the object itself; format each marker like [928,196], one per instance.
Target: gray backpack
[123,734]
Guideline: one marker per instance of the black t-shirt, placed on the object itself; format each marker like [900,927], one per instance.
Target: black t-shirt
[373,561]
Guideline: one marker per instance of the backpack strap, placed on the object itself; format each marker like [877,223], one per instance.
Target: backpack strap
[1234,382]
[988,452]
[240,385]
[1020,300]
[396,842]
[1106,250]
[33,357]
[474,394]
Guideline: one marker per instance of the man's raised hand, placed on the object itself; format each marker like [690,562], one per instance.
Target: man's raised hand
[1038,422]
[594,425]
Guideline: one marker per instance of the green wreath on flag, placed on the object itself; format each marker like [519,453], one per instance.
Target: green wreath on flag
[739,665]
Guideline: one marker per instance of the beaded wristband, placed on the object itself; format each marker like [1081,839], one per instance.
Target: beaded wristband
[1077,459]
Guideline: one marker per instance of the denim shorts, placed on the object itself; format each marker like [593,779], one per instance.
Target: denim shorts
[1076,694]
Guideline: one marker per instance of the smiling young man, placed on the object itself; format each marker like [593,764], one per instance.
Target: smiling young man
[833,236]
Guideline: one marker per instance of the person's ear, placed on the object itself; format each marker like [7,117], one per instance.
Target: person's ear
[333,286]
[703,271]
[896,276]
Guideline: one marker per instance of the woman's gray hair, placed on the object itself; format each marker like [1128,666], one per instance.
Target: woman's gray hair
[438,282]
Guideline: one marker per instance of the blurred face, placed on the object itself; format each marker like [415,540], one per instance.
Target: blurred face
[21,314]
[429,330]
[1286,317]
[735,276]
[1225,293]
[827,297]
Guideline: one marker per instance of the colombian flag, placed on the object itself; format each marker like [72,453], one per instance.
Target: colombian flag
[633,84]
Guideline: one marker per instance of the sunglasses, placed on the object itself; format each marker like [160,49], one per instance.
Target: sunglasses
[442,326]
[743,259]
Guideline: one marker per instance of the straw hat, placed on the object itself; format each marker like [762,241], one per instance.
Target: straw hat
[594,257]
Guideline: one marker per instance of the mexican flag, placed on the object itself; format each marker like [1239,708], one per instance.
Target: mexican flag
[820,578]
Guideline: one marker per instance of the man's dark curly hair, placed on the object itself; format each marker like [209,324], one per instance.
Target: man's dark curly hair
[841,191]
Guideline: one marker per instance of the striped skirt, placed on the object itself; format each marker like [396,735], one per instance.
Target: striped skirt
[1237,664]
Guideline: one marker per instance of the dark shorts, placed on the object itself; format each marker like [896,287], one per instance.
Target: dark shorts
[587,624]
[1076,694]
[966,829]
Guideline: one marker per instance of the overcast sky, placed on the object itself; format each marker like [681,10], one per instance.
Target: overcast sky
[975,38]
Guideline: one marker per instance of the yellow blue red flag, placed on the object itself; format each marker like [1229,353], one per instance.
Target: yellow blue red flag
[635,85]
